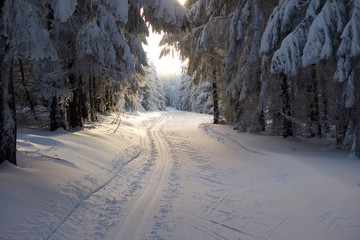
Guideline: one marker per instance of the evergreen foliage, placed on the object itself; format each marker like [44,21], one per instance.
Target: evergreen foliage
[288,67]
[78,58]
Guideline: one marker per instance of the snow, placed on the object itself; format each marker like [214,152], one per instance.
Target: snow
[26,33]
[288,57]
[349,45]
[350,92]
[195,10]
[271,33]
[188,97]
[169,14]
[103,39]
[322,33]
[63,9]
[239,22]
[151,97]
[173,175]
[121,8]
[204,38]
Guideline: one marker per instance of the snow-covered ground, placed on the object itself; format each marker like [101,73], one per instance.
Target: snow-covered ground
[173,175]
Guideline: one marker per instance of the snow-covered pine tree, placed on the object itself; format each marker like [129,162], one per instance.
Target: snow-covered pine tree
[321,44]
[284,19]
[163,15]
[184,93]
[287,60]
[23,88]
[190,97]
[106,59]
[52,88]
[348,74]
[241,66]
[110,47]
[151,97]
[37,29]
[310,45]
[23,34]
[204,44]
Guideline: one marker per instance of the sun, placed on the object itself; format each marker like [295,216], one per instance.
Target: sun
[182,2]
[168,65]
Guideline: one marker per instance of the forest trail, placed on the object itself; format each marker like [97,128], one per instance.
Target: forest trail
[174,175]
[193,180]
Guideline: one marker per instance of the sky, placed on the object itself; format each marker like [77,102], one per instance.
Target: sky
[166,66]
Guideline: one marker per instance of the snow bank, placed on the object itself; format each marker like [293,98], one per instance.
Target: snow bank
[57,171]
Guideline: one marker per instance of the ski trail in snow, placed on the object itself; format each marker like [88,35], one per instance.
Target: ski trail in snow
[140,147]
[144,204]
[193,181]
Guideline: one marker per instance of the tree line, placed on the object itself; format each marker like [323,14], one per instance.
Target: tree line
[77,57]
[287,67]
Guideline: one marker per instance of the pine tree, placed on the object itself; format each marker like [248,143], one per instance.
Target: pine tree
[58,36]
[204,44]
[242,65]
[22,35]
[347,74]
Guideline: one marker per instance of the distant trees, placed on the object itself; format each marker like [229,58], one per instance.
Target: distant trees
[151,93]
[82,56]
[204,43]
[288,67]
[187,97]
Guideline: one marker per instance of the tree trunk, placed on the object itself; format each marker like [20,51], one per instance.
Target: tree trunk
[27,94]
[262,121]
[315,106]
[262,89]
[356,113]
[108,98]
[325,113]
[74,110]
[310,112]
[286,108]
[317,110]
[97,98]
[341,115]
[8,125]
[83,100]
[57,119]
[93,116]
[216,103]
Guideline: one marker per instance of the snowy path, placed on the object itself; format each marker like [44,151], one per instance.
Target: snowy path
[187,179]
[193,182]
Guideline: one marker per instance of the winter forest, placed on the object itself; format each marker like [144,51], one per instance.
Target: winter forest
[257,138]
[288,67]
[74,59]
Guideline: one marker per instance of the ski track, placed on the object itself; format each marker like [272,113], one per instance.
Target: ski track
[145,202]
[82,200]
[177,187]
[132,206]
